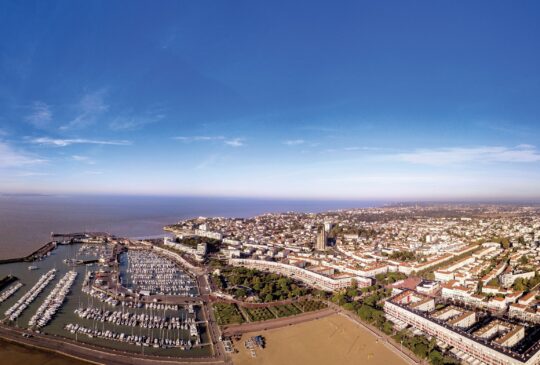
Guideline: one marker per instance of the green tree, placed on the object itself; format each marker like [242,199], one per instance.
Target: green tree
[352,292]
[339,298]
[240,293]
[282,282]
[420,349]
[235,279]
[365,312]
[388,327]
[371,300]
[519,284]
[256,283]
[268,298]
[436,358]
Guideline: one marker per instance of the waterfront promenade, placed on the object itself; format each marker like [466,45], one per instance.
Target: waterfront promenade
[96,354]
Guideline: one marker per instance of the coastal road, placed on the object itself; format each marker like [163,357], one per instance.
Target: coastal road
[208,312]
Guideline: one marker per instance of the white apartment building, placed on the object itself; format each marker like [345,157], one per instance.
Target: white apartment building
[489,354]
[199,252]
[308,277]
[208,234]
[508,279]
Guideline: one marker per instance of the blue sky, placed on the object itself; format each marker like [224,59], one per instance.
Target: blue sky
[350,100]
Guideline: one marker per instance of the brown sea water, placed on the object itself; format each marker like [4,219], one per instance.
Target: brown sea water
[14,354]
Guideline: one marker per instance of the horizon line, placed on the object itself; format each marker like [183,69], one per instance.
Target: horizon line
[376,200]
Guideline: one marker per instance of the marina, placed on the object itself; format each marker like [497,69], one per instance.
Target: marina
[9,292]
[143,340]
[89,304]
[15,311]
[148,273]
[53,301]
[136,320]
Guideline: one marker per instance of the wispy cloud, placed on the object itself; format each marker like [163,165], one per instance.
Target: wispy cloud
[40,115]
[31,174]
[456,155]
[169,39]
[134,122]
[89,107]
[294,142]
[361,148]
[9,157]
[232,142]
[505,128]
[208,161]
[199,138]
[83,159]
[318,128]
[392,178]
[61,142]
[351,149]
[235,142]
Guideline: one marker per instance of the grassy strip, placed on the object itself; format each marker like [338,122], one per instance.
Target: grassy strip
[227,314]
[310,305]
[259,314]
[286,310]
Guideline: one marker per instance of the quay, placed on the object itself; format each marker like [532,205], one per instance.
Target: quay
[41,252]
[60,238]
[5,281]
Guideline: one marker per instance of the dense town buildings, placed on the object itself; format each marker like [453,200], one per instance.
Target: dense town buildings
[469,259]
[455,242]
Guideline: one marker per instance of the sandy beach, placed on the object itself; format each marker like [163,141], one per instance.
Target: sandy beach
[331,340]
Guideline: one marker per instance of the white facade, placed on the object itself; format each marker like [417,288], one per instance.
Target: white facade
[198,252]
[208,234]
[308,277]
[508,279]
